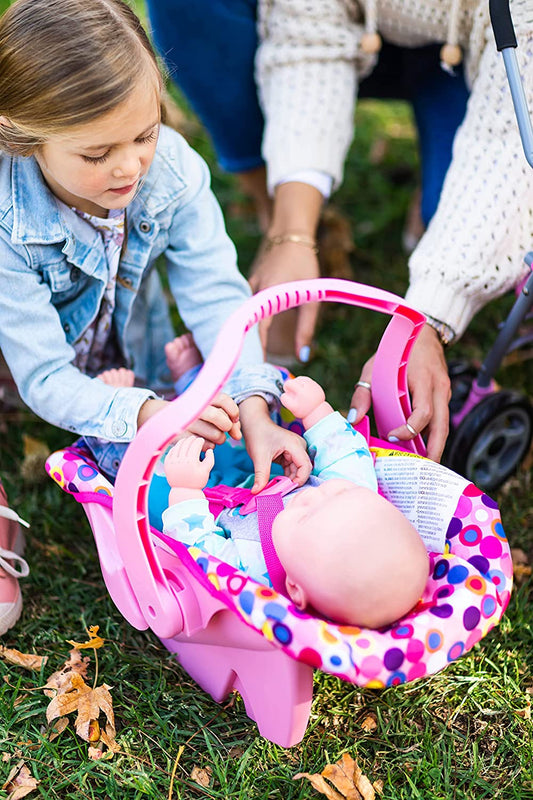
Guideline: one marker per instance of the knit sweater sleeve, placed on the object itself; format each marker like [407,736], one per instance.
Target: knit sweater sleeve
[474,247]
[307,68]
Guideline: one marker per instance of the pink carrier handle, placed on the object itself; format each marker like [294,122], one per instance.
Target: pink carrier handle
[159,603]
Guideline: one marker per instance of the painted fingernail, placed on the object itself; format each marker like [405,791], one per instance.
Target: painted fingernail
[352,415]
[393,439]
[304,353]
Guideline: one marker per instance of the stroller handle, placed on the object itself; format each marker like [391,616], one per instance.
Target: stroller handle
[502,25]
[159,604]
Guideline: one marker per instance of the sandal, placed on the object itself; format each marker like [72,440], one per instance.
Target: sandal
[11,547]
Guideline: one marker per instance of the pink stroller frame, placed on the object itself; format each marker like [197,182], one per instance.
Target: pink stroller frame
[229,632]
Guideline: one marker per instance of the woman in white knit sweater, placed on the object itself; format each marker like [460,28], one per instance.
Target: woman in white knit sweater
[311,57]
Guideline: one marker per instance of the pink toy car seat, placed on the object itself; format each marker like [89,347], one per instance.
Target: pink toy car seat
[230,632]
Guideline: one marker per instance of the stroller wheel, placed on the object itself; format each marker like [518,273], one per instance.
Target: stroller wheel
[462,374]
[492,439]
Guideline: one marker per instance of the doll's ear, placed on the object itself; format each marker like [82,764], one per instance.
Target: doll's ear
[296,593]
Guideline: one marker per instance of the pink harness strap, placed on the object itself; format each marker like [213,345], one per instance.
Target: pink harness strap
[268,507]
[222,496]
[268,504]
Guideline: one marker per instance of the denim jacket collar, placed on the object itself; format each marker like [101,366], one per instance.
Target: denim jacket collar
[36,216]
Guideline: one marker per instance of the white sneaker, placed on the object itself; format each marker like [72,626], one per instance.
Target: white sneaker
[11,547]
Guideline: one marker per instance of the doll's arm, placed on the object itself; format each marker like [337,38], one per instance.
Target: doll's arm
[186,474]
[339,451]
[305,398]
[188,517]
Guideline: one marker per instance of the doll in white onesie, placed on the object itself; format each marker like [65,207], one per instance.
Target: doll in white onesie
[345,552]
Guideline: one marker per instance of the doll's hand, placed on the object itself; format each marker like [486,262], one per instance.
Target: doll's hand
[267,442]
[302,395]
[217,419]
[305,398]
[183,467]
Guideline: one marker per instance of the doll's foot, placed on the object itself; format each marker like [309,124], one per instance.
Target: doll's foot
[118,377]
[182,355]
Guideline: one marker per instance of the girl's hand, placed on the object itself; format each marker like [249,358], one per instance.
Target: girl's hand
[217,419]
[267,442]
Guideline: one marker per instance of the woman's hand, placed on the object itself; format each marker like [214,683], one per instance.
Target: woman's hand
[267,442]
[429,385]
[295,212]
[288,261]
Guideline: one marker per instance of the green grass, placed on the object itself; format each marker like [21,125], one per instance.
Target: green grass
[460,734]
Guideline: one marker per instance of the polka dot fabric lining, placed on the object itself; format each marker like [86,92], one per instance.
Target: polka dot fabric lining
[466,594]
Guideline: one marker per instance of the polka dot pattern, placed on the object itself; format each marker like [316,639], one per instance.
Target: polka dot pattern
[465,596]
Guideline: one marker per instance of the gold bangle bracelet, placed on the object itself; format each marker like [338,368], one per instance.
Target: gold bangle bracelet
[296,238]
[444,332]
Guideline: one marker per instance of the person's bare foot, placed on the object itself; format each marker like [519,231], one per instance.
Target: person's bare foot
[182,355]
[117,377]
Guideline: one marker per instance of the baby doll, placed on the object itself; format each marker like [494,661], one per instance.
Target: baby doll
[347,553]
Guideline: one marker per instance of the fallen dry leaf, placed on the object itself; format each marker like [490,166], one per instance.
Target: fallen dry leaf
[19,782]
[57,728]
[107,736]
[370,723]
[521,566]
[96,753]
[317,782]
[36,452]
[94,641]
[202,776]
[348,781]
[26,660]
[525,713]
[86,701]
[61,681]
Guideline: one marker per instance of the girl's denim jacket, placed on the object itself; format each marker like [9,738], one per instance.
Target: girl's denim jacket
[53,274]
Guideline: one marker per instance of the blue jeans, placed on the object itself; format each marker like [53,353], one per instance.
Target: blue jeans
[209,48]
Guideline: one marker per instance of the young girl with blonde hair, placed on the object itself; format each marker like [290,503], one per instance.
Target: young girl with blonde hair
[93,189]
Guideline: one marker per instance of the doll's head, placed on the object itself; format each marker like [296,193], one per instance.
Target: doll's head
[350,555]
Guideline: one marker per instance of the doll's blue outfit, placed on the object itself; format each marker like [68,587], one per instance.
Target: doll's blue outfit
[337,451]
[53,276]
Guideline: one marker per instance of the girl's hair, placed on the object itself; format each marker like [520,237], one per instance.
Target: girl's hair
[65,62]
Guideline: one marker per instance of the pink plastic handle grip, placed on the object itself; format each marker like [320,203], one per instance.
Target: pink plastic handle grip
[389,396]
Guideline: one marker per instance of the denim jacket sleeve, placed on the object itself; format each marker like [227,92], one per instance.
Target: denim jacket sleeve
[39,356]
[206,283]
